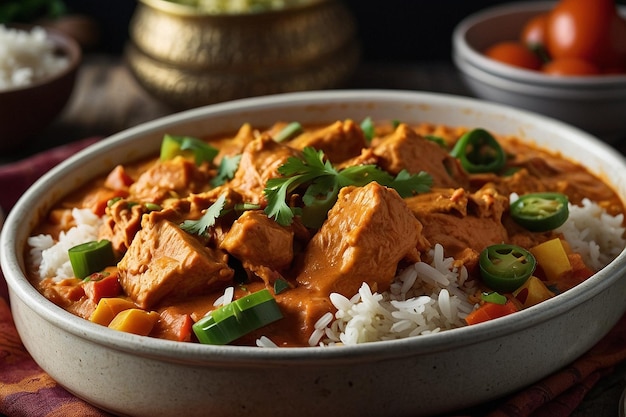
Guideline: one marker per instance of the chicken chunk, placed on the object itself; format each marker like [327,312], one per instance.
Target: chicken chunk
[165,261]
[339,141]
[368,232]
[405,149]
[262,245]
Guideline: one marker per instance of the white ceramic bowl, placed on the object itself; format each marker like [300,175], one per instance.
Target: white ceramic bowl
[595,104]
[426,375]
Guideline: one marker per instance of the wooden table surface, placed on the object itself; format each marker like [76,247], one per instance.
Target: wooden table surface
[107,100]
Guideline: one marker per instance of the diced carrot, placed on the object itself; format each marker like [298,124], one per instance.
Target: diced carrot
[118,179]
[100,286]
[97,201]
[174,325]
[552,258]
[135,320]
[490,311]
[108,308]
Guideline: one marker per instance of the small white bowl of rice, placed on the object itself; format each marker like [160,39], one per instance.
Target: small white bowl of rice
[37,73]
[441,371]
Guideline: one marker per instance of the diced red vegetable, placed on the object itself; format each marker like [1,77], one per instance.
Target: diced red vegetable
[490,311]
[102,286]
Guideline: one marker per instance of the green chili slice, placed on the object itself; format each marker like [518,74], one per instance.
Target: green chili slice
[540,212]
[505,267]
[187,147]
[91,257]
[234,320]
[478,151]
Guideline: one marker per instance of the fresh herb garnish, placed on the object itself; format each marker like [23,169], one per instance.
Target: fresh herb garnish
[226,170]
[201,226]
[323,182]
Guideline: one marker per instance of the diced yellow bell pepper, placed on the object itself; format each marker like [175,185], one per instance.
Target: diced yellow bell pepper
[552,258]
[532,292]
[108,308]
[135,321]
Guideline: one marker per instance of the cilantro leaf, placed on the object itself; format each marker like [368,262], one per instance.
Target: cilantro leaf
[201,226]
[323,182]
[226,170]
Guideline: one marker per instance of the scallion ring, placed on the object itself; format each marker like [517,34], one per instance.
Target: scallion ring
[91,257]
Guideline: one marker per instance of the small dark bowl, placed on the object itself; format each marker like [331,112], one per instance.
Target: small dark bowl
[26,111]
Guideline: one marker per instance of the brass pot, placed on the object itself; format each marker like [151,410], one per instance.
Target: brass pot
[188,59]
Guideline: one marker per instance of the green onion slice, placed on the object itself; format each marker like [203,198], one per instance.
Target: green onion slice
[91,257]
[367,126]
[290,131]
[234,320]
[505,267]
[187,147]
[478,151]
[540,212]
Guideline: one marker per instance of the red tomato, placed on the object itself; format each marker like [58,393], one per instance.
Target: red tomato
[570,66]
[514,53]
[534,31]
[617,40]
[581,29]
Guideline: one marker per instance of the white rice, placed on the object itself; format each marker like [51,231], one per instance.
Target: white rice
[424,298]
[27,57]
[51,256]
[592,232]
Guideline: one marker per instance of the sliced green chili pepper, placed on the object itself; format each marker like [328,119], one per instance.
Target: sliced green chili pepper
[479,152]
[288,132]
[540,212]
[234,320]
[91,257]
[438,140]
[187,146]
[506,267]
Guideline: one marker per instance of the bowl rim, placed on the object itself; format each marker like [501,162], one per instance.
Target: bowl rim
[511,85]
[462,48]
[185,10]
[62,41]
[12,262]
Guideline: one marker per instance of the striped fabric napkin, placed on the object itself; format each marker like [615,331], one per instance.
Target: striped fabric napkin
[27,391]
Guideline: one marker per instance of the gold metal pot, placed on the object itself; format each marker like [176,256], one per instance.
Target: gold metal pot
[188,59]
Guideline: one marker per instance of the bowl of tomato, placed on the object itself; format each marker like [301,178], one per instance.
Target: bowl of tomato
[564,59]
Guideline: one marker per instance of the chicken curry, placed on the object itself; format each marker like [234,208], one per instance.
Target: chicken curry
[234,237]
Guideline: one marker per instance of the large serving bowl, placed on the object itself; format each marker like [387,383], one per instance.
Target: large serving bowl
[141,376]
[593,103]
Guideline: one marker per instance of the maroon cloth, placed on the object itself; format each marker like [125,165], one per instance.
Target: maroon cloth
[27,391]
[15,178]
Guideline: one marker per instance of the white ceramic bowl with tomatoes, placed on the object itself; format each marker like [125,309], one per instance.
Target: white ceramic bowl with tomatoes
[554,58]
